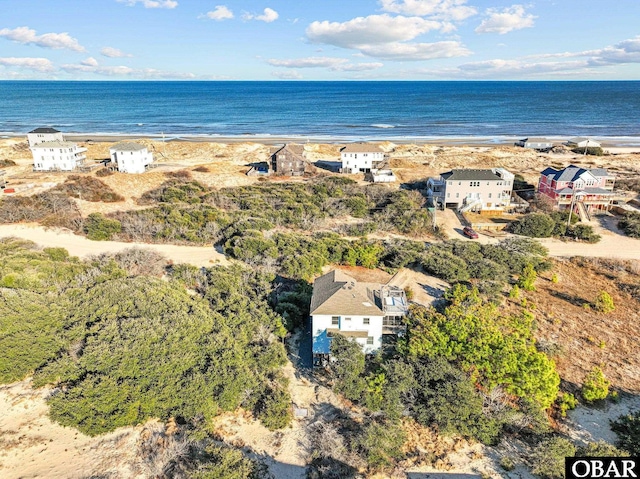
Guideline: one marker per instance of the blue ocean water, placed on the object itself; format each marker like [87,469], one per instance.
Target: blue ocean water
[492,111]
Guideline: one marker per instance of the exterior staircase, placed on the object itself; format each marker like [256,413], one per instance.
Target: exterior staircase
[469,206]
[583,213]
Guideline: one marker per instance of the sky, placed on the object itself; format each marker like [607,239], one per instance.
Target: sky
[319,40]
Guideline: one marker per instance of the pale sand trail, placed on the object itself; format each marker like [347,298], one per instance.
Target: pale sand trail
[83,247]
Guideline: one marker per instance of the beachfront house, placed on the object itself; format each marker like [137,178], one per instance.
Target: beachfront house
[43,135]
[540,144]
[368,313]
[472,190]
[130,157]
[57,156]
[588,191]
[582,142]
[289,160]
[360,157]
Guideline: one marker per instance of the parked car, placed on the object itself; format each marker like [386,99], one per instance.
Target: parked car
[469,232]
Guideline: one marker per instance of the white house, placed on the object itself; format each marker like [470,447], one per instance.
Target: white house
[130,157]
[362,312]
[43,135]
[57,156]
[535,143]
[360,157]
[581,142]
[472,189]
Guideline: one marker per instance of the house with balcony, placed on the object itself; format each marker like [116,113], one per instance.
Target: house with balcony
[130,157]
[361,157]
[479,190]
[289,160]
[593,188]
[367,313]
[57,156]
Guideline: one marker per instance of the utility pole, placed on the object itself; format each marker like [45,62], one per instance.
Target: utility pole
[573,200]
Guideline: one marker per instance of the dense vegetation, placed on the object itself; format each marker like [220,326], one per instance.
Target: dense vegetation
[545,225]
[630,224]
[88,188]
[126,347]
[187,211]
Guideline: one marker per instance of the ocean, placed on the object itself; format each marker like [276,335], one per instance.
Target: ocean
[482,111]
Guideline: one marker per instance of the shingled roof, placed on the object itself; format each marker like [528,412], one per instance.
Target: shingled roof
[294,148]
[127,146]
[471,175]
[337,293]
[361,148]
[44,130]
[572,173]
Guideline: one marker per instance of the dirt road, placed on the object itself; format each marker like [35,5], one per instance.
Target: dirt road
[83,247]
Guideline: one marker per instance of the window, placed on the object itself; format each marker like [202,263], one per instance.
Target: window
[369,339]
[347,319]
[448,195]
[366,321]
[489,195]
[459,183]
[457,195]
[335,320]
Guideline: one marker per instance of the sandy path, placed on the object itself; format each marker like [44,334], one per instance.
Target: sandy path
[83,247]
[31,446]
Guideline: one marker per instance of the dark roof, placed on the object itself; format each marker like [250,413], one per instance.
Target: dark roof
[572,173]
[471,174]
[292,147]
[44,130]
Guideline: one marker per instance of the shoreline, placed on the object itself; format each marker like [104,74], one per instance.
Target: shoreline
[627,143]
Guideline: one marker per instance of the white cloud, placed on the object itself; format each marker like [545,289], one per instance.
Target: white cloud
[309,62]
[416,51]
[114,53]
[456,10]
[287,75]
[357,67]
[370,30]
[35,64]
[151,3]
[28,36]
[125,71]
[569,64]
[269,15]
[220,13]
[387,37]
[91,62]
[332,63]
[505,21]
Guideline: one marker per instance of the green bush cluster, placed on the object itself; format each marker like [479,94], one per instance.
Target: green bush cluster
[100,228]
[496,350]
[124,347]
[627,428]
[595,386]
[545,225]
[630,224]
[88,188]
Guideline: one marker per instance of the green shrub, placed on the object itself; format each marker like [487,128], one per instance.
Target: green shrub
[630,224]
[628,430]
[548,457]
[566,402]
[604,303]
[600,449]
[99,228]
[584,233]
[535,225]
[528,278]
[507,463]
[595,386]
[589,150]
